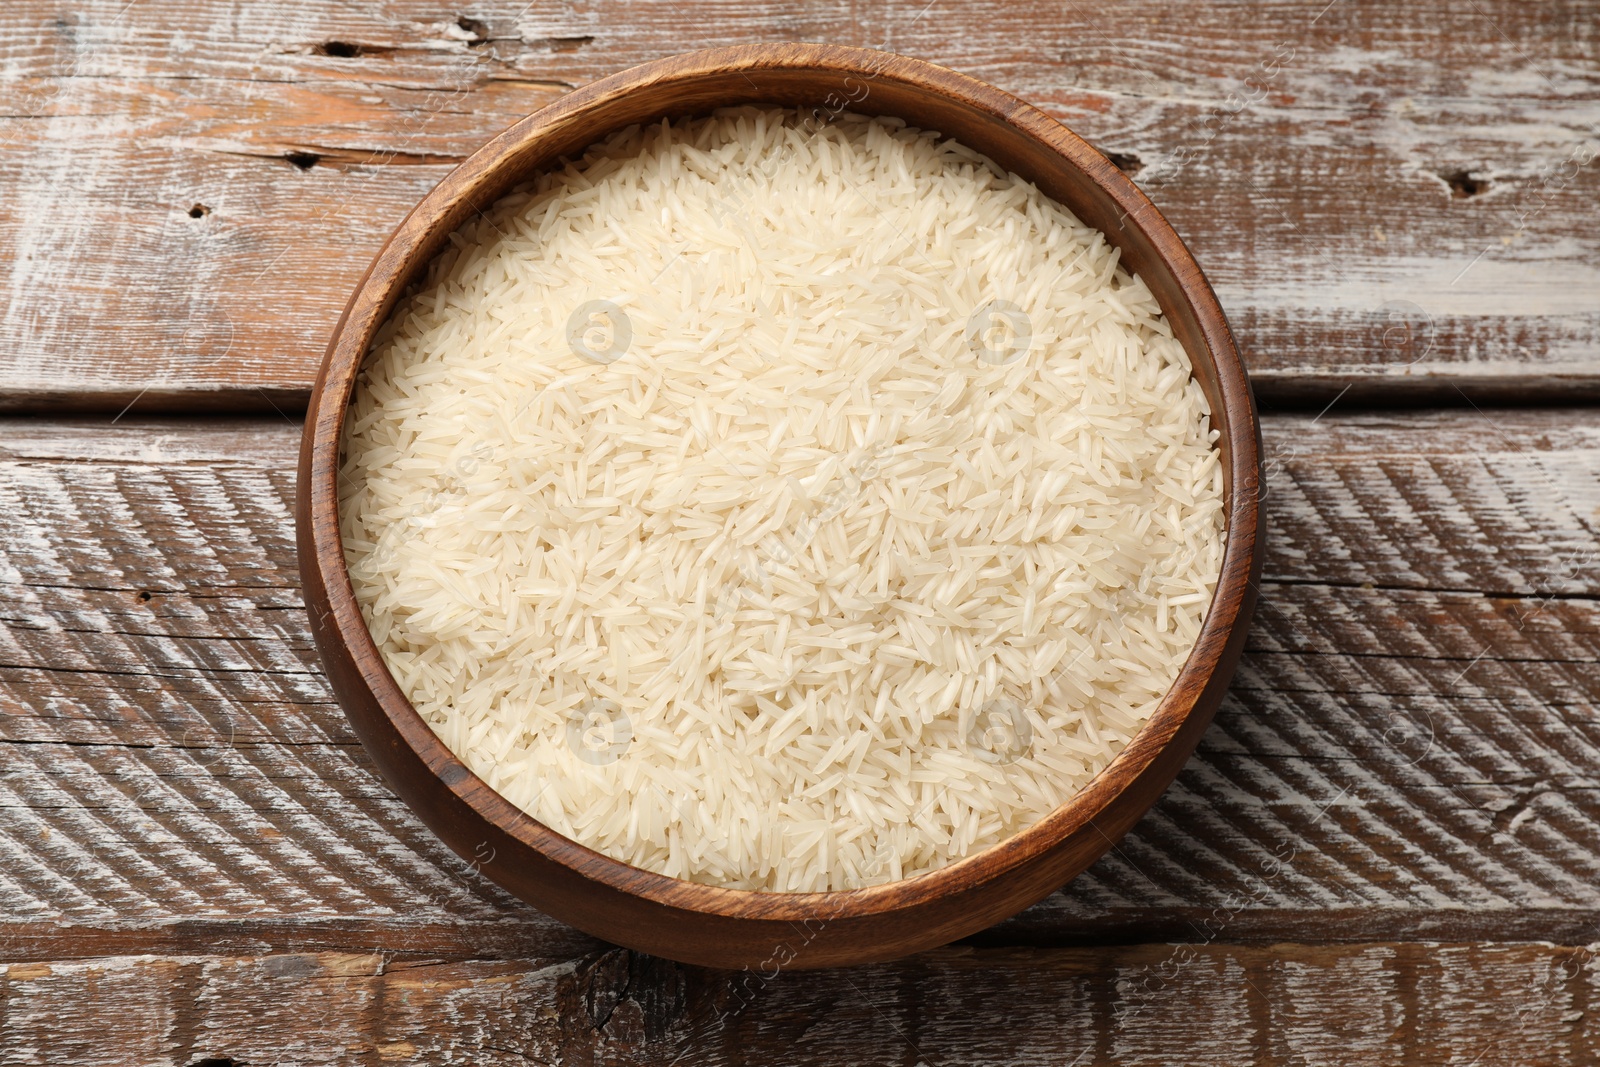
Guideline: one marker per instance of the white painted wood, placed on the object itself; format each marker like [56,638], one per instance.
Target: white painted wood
[1306,159]
[1409,748]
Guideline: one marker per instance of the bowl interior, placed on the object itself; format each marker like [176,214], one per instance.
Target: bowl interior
[824,80]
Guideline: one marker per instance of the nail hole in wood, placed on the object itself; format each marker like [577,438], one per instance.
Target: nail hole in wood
[1463,184]
[338,49]
[199,211]
[476,27]
[144,595]
[570,44]
[1126,162]
[303,160]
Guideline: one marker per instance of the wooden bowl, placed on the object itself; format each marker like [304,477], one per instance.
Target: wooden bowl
[737,928]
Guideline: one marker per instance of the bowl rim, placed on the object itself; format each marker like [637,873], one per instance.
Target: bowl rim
[394,267]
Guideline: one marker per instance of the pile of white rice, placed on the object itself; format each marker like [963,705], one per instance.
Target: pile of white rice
[782,506]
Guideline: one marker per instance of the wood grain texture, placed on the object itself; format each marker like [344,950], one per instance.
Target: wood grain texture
[1411,748]
[1392,197]
[1380,1004]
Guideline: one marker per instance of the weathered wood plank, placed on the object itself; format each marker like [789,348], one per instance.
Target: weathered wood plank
[1388,1004]
[1411,748]
[1391,197]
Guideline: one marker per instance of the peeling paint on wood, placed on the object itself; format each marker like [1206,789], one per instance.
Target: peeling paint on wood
[1410,744]
[1387,848]
[1395,198]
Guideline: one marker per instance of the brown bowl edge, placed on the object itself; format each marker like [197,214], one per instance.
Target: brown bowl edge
[1148,762]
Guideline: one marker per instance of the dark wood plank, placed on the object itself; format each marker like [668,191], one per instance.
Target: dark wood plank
[1411,1004]
[1411,748]
[1395,198]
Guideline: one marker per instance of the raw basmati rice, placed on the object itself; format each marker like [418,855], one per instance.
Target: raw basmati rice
[782,505]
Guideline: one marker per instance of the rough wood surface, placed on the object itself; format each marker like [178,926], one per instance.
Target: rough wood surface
[1393,197]
[1411,749]
[1387,849]
[1370,1004]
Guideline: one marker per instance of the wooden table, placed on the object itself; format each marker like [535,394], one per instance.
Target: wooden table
[1387,849]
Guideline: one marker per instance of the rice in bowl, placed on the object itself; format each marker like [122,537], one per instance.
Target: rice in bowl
[780,505]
